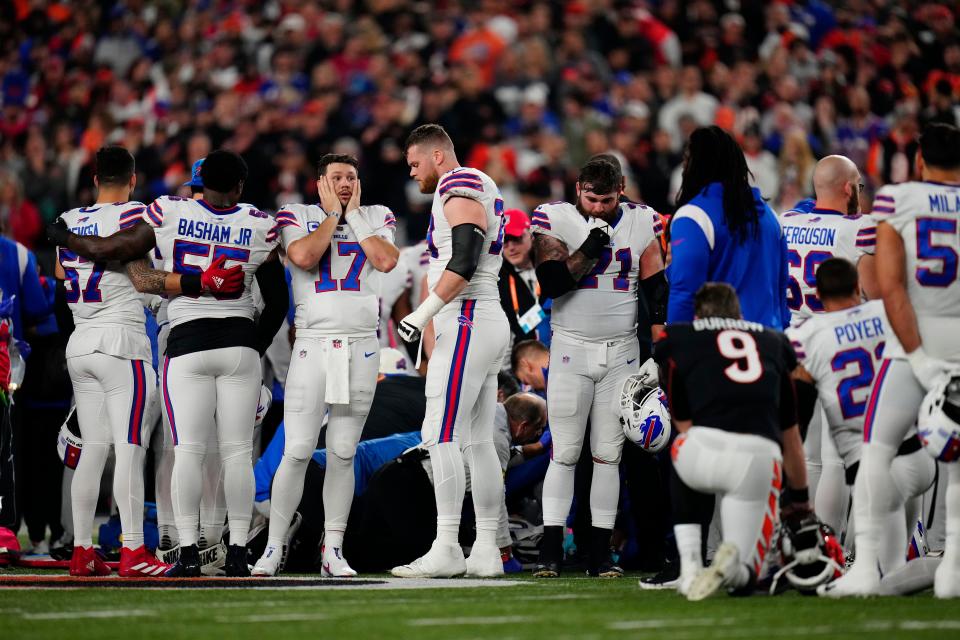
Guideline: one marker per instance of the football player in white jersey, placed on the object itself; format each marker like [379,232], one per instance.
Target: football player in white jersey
[465,239]
[833,227]
[593,258]
[337,251]
[917,271]
[211,372]
[109,360]
[840,351]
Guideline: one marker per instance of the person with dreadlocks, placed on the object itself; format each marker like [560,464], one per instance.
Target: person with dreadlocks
[724,232]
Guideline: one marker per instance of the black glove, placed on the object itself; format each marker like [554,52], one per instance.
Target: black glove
[595,242]
[796,508]
[58,232]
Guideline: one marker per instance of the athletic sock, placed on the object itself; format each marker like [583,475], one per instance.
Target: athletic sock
[449,484]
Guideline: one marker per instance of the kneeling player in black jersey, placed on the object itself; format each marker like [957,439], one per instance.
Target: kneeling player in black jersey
[733,403]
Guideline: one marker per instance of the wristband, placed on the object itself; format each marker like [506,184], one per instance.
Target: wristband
[429,308]
[360,227]
[794,496]
[190,284]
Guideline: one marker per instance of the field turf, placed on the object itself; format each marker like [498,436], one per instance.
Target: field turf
[574,608]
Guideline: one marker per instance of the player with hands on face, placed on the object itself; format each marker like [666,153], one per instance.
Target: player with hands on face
[337,252]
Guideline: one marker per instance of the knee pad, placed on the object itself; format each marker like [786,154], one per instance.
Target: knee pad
[230,451]
[298,450]
[607,454]
[192,449]
[566,455]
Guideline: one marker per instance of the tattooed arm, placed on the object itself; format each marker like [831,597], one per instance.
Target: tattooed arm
[559,271]
[146,279]
[549,248]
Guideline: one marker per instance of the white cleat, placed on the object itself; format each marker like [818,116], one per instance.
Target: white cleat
[683,583]
[213,560]
[484,561]
[444,560]
[946,582]
[858,582]
[725,563]
[334,565]
[269,562]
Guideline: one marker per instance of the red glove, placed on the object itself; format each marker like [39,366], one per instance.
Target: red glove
[216,279]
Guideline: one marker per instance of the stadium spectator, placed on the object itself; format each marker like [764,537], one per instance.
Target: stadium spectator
[526,309]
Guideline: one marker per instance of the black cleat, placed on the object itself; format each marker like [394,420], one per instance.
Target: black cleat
[237,566]
[601,562]
[187,565]
[667,578]
[548,570]
[607,569]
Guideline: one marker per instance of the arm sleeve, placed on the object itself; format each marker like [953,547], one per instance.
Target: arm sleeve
[688,270]
[273,290]
[788,391]
[62,311]
[670,380]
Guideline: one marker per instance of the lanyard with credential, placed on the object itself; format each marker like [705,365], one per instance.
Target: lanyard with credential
[534,315]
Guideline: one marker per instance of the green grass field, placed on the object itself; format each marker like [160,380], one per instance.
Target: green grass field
[575,608]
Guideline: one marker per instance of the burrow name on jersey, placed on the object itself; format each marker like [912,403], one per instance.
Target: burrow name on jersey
[211,232]
[715,324]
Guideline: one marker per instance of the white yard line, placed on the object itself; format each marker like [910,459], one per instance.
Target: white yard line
[460,621]
[272,617]
[673,623]
[100,613]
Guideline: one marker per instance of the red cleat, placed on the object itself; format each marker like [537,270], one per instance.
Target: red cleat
[87,562]
[140,563]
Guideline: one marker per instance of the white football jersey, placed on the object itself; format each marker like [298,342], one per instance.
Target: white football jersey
[464,182]
[392,286]
[842,351]
[107,308]
[604,304]
[417,260]
[191,234]
[927,217]
[341,295]
[815,237]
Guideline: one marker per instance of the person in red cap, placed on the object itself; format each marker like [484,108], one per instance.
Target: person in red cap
[527,312]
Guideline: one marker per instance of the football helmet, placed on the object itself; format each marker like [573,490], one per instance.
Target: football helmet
[69,442]
[938,424]
[644,414]
[810,554]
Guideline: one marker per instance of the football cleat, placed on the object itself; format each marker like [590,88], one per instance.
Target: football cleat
[484,561]
[667,578]
[236,565]
[140,563]
[213,559]
[607,569]
[857,582]
[725,563]
[946,582]
[333,564]
[547,570]
[443,560]
[87,562]
[187,564]
[168,556]
[269,562]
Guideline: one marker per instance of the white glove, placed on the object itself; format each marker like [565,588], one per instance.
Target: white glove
[412,326]
[926,368]
[650,373]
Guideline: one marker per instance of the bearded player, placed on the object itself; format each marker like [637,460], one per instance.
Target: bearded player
[593,258]
[465,238]
[337,251]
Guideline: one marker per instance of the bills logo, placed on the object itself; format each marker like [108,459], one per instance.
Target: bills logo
[338,344]
[465,322]
[650,430]
[401,364]
[83,219]
[303,353]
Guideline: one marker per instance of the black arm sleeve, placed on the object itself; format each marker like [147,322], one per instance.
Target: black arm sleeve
[467,240]
[788,402]
[555,278]
[655,292]
[806,401]
[61,311]
[273,290]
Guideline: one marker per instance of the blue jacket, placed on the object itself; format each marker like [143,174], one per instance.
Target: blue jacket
[370,456]
[704,250]
[19,277]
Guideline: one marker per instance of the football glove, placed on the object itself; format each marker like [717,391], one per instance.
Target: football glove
[411,327]
[216,279]
[58,232]
[927,369]
[595,242]
[649,373]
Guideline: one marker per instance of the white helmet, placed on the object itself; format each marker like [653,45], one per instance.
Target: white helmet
[938,424]
[69,442]
[644,414]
